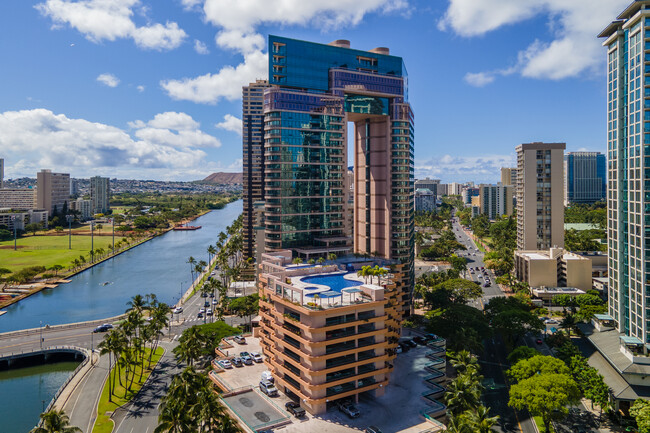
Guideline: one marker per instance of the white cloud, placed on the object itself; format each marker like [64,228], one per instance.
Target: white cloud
[200,47]
[109,80]
[227,83]
[40,138]
[479,79]
[230,123]
[449,168]
[100,20]
[238,21]
[572,49]
[140,88]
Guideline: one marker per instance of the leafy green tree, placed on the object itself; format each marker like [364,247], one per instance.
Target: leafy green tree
[512,317]
[481,225]
[591,300]
[452,291]
[545,395]
[536,365]
[567,351]
[520,353]
[33,227]
[55,421]
[640,410]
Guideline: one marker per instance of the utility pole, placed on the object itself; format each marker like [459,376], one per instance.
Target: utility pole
[92,241]
[13,220]
[113,224]
[41,323]
[69,218]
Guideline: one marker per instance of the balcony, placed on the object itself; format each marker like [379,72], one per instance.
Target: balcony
[339,389]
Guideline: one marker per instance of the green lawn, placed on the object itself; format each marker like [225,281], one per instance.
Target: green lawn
[540,425]
[104,424]
[47,250]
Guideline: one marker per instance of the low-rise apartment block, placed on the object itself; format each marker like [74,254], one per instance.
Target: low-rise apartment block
[19,220]
[18,198]
[555,267]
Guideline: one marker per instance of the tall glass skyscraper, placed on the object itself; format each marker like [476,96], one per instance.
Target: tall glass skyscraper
[586,177]
[628,152]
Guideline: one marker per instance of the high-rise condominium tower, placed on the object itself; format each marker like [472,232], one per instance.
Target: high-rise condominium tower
[585,177]
[326,351]
[509,176]
[253,156]
[628,150]
[540,196]
[53,190]
[100,194]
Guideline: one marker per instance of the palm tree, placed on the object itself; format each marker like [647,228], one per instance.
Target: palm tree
[112,344]
[462,361]
[459,424]
[320,260]
[211,252]
[569,323]
[55,421]
[192,261]
[463,393]
[137,303]
[481,420]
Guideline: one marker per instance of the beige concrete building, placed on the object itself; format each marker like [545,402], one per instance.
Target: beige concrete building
[540,196]
[554,267]
[18,198]
[53,190]
[19,220]
[509,176]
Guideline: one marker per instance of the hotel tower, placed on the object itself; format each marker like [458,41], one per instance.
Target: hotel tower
[327,333]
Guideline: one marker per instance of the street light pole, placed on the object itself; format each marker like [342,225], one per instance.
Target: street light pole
[69,218]
[13,220]
[92,241]
[113,224]
[41,322]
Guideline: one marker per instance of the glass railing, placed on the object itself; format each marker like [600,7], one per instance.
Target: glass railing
[334,348]
[336,362]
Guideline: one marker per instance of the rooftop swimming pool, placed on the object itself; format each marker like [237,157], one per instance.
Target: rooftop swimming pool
[335,282]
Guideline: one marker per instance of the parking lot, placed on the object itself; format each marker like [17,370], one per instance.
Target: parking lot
[398,410]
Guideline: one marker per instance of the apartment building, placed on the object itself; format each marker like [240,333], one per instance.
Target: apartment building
[425,200]
[496,200]
[540,196]
[100,194]
[253,157]
[53,190]
[509,176]
[330,338]
[430,184]
[554,267]
[18,198]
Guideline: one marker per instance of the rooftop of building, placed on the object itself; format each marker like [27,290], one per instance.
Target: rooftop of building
[550,254]
[580,226]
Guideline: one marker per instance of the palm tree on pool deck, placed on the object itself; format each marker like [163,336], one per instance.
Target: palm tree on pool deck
[55,421]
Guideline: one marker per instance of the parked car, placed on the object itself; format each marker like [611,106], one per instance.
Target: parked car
[268,388]
[538,341]
[372,429]
[405,347]
[349,409]
[239,339]
[266,375]
[256,357]
[410,342]
[551,322]
[237,362]
[246,358]
[399,349]
[419,340]
[294,409]
[178,310]
[224,363]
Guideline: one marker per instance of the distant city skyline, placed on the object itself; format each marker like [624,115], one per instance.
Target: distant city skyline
[159,96]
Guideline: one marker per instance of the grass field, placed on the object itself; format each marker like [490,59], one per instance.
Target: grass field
[47,250]
[104,424]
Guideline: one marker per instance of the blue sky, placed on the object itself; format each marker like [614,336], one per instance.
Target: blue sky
[151,89]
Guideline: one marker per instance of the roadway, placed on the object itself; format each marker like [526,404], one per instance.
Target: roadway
[493,362]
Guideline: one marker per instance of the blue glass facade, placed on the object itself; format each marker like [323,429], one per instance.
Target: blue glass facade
[586,177]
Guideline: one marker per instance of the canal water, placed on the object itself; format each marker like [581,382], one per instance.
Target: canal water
[25,391]
[158,266]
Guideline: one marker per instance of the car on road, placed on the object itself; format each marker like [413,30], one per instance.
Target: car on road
[268,388]
[237,362]
[199,315]
[209,312]
[239,339]
[102,328]
[246,358]
[206,304]
[178,310]
[204,295]
[551,322]
[294,409]
[372,429]
[215,302]
[256,357]
[224,363]
[266,375]
[212,294]
[538,341]
[201,310]
[349,409]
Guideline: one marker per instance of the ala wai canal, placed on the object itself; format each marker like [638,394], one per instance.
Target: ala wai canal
[158,266]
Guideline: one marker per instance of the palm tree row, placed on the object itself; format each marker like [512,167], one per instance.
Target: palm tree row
[192,406]
[463,397]
[369,271]
[126,344]
[55,421]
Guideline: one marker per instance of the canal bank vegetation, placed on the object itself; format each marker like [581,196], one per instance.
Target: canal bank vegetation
[55,421]
[133,350]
